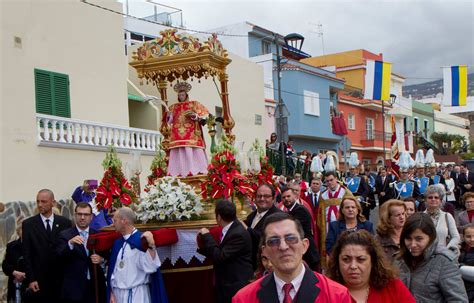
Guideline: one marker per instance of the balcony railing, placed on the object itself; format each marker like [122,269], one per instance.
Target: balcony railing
[62,132]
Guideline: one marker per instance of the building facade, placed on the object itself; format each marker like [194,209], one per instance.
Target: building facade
[308,92]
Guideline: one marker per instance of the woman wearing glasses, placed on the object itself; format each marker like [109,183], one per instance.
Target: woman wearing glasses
[466,216]
[446,230]
[427,269]
[359,263]
[350,218]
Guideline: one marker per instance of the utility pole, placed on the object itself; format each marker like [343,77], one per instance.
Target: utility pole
[383,131]
[280,107]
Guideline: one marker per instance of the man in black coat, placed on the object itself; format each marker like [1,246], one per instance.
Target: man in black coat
[79,274]
[383,189]
[264,200]
[299,212]
[232,257]
[40,237]
[466,180]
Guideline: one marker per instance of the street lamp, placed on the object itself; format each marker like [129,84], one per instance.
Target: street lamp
[391,102]
[295,41]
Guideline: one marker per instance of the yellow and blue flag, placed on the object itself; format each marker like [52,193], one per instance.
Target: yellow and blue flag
[377,80]
[455,85]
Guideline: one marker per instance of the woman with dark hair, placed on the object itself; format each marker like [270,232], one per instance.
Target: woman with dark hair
[358,262]
[350,217]
[427,269]
[466,260]
[391,220]
[466,216]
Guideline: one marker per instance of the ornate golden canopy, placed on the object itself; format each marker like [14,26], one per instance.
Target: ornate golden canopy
[176,56]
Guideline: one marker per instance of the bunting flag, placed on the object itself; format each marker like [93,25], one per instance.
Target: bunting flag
[377,80]
[455,85]
[394,145]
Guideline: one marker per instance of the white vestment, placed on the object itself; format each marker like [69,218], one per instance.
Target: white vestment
[133,278]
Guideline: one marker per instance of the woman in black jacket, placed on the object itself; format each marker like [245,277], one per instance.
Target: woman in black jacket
[12,266]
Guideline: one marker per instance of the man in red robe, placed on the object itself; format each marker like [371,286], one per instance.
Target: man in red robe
[291,281]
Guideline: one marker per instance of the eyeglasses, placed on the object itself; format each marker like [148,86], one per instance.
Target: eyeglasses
[432,197]
[263,196]
[83,215]
[276,241]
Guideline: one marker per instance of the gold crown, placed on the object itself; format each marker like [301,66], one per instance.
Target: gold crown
[182,86]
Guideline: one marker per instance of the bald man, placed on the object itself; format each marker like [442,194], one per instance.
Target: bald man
[40,237]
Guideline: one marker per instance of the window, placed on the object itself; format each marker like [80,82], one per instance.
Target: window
[369,129]
[351,121]
[311,103]
[266,47]
[258,119]
[52,93]
[415,122]
[405,125]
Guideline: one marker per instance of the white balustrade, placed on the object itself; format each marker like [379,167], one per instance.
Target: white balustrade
[73,133]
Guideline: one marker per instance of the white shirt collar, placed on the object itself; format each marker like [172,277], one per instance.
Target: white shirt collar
[128,236]
[296,284]
[51,219]
[225,229]
[262,213]
[81,230]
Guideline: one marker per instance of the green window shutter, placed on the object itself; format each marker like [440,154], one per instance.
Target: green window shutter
[61,99]
[44,96]
[52,93]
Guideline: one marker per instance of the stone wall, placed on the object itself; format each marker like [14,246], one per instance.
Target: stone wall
[8,224]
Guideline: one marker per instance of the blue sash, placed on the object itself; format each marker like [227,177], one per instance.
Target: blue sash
[436,179]
[404,189]
[423,184]
[353,183]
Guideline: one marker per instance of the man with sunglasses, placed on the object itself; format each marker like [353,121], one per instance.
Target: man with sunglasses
[300,212]
[78,281]
[264,201]
[284,244]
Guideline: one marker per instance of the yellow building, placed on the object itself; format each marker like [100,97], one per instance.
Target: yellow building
[349,65]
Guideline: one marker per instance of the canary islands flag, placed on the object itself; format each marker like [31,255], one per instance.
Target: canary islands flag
[377,80]
[455,85]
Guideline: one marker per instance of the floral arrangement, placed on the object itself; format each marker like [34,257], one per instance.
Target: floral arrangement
[159,167]
[114,189]
[169,199]
[224,177]
[263,175]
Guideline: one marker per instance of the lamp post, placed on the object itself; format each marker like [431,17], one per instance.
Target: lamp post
[294,41]
[391,102]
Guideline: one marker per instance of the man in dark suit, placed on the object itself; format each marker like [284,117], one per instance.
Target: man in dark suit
[264,200]
[232,257]
[313,194]
[40,237]
[455,172]
[383,189]
[466,180]
[300,212]
[291,280]
[79,274]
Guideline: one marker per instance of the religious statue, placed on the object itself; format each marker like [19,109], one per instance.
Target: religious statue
[187,148]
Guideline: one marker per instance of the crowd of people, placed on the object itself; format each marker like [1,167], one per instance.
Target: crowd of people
[303,242]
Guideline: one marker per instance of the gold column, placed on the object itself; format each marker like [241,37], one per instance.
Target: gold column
[229,122]
[164,128]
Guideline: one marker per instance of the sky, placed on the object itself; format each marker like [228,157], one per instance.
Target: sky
[417,36]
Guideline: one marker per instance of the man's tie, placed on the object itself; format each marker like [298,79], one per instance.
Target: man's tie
[84,235]
[255,221]
[286,290]
[48,227]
